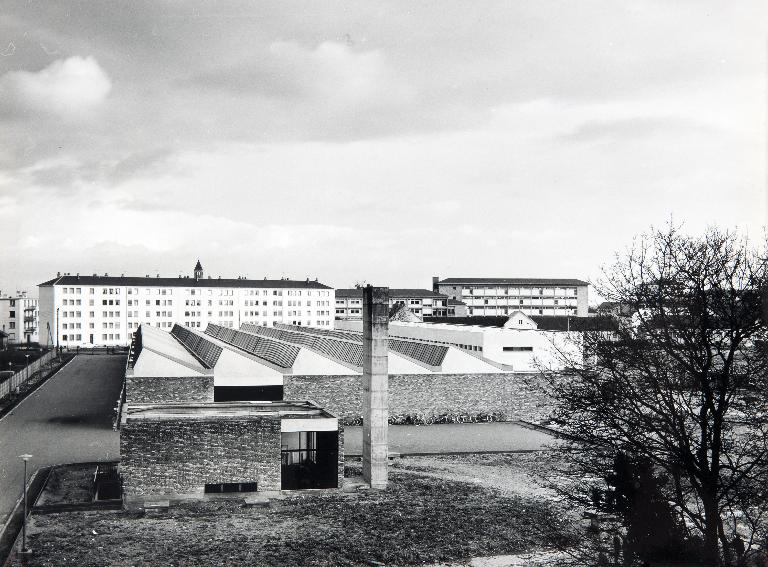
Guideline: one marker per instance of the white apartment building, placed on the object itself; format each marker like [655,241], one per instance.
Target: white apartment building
[106,310]
[532,296]
[19,317]
[422,302]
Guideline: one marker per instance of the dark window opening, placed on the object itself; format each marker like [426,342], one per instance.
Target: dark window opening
[517,348]
[228,487]
[107,482]
[310,459]
[247,393]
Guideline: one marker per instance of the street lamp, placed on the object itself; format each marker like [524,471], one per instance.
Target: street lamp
[26,365]
[24,549]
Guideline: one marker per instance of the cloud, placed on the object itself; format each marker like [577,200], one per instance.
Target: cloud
[330,90]
[67,88]
[634,128]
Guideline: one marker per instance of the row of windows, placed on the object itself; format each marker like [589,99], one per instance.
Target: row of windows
[79,337]
[522,302]
[540,310]
[519,291]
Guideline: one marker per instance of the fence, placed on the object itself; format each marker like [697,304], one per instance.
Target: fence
[9,385]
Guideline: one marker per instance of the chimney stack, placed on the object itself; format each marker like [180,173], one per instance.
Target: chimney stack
[375,385]
[435,287]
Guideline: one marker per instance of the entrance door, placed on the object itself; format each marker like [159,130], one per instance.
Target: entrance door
[91,338]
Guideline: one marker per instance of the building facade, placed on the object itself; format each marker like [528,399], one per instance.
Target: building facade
[422,302]
[19,318]
[502,296]
[85,311]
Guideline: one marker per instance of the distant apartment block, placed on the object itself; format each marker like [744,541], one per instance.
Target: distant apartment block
[106,310]
[19,318]
[502,296]
[422,302]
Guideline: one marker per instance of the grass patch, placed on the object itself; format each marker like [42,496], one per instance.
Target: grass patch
[415,521]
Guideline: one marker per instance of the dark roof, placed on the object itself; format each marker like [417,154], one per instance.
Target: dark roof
[564,323]
[181,282]
[393,293]
[544,323]
[198,266]
[479,320]
[514,281]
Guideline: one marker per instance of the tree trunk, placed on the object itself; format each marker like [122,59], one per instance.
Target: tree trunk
[711,535]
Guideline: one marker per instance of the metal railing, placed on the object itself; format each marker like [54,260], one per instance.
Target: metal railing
[10,384]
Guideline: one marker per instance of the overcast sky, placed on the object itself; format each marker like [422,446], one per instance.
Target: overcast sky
[378,141]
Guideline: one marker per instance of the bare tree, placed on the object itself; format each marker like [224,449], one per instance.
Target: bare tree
[680,385]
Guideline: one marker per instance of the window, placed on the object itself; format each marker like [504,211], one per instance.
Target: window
[228,487]
[517,349]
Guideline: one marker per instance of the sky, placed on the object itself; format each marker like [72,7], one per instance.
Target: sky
[385,142]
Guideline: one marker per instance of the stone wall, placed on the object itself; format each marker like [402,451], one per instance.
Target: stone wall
[180,456]
[163,390]
[426,398]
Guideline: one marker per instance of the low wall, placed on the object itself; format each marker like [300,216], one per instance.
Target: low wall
[429,398]
[166,390]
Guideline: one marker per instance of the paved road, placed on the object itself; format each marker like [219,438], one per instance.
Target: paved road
[68,419]
[454,438]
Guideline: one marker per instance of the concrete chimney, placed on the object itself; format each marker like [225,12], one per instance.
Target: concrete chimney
[375,385]
[435,287]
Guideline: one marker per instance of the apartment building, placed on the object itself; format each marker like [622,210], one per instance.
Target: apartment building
[106,310]
[422,302]
[502,296]
[19,318]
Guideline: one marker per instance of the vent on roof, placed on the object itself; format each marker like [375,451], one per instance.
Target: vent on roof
[58,274]
[95,275]
[106,275]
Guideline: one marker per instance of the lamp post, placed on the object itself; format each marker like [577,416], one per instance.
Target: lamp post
[24,549]
[26,365]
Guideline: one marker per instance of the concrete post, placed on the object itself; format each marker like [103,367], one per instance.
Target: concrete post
[375,385]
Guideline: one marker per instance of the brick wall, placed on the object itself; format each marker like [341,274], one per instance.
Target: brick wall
[180,456]
[161,390]
[421,398]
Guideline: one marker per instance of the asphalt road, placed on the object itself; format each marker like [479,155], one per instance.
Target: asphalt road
[67,420]
[454,438]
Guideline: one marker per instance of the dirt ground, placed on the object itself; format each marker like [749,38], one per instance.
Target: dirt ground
[437,510]
[71,485]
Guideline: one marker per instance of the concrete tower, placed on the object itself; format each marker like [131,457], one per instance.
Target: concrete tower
[375,385]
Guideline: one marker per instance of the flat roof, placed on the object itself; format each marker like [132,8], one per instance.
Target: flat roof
[515,281]
[394,293]
[284,409]
[134,281]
